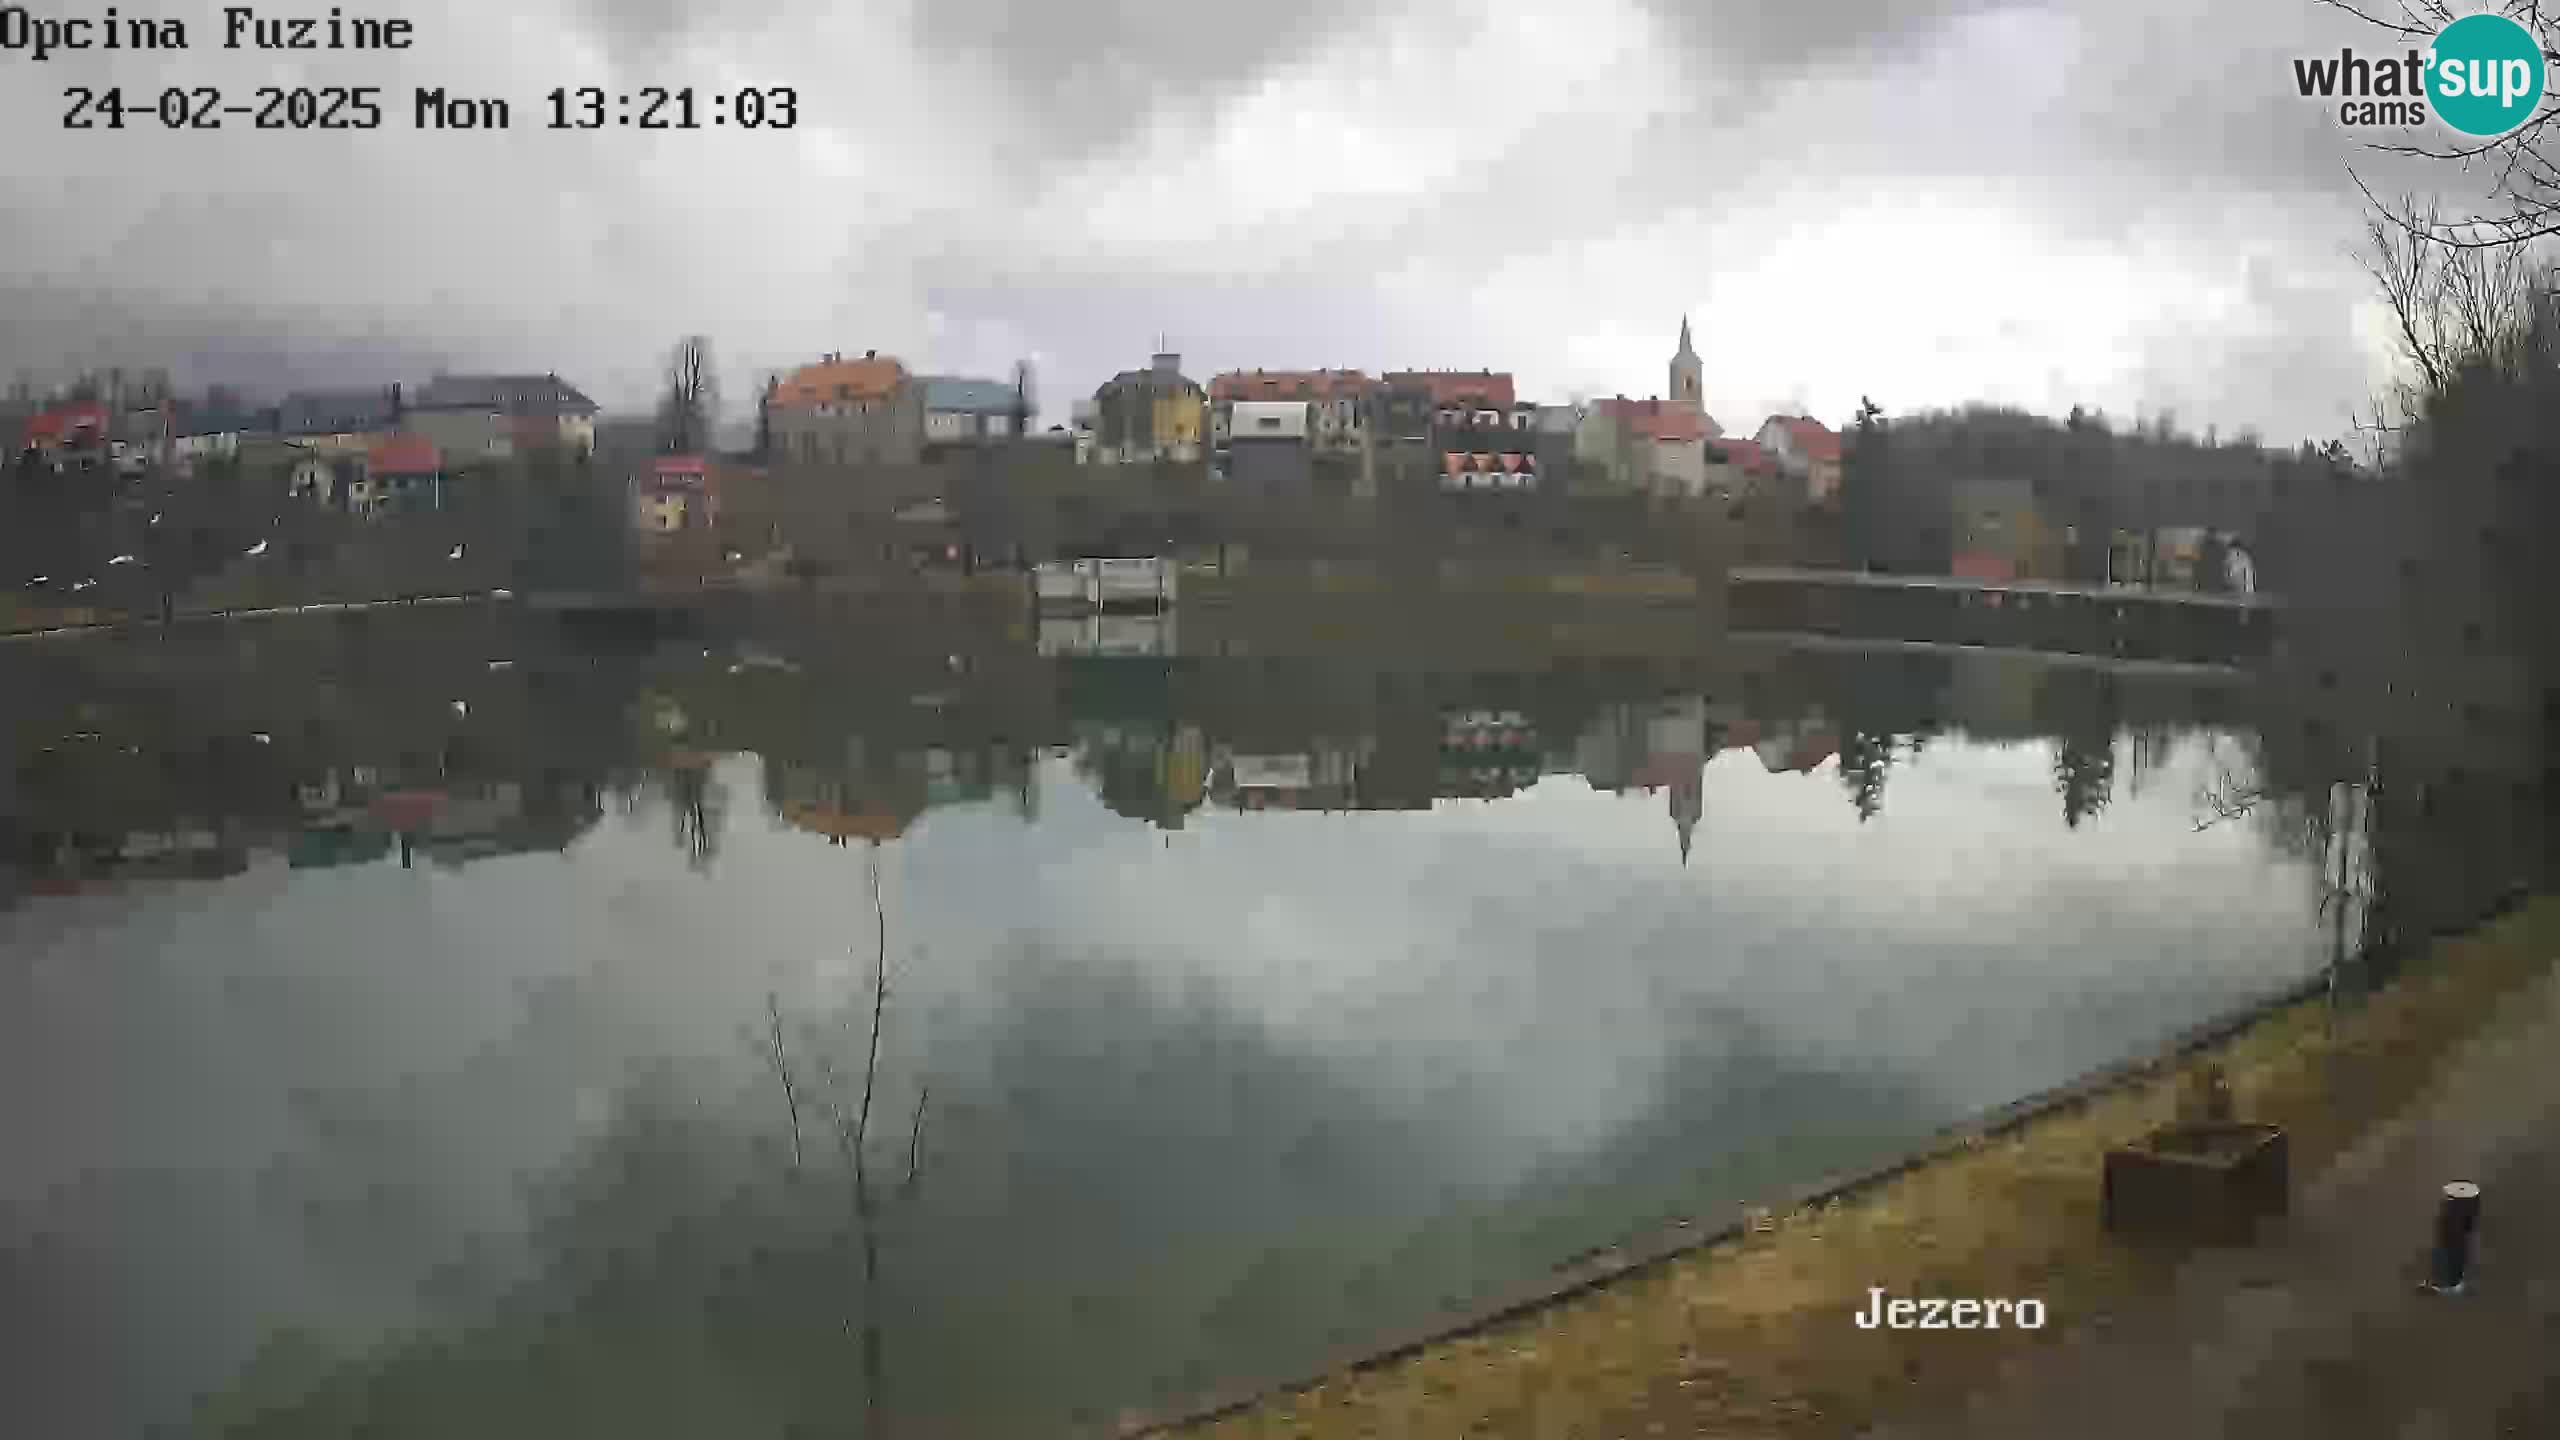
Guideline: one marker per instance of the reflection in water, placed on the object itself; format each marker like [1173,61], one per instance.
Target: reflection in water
[1217,1013]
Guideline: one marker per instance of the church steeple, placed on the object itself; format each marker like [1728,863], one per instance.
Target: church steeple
[1685,379]
[1688,802]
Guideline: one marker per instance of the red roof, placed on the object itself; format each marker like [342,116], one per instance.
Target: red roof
[873,377]
[402,455]
[1748,456]
[1817,440]
[80,421]
[1287,384]
[1659,419]
[678,474]
[1668,769]
[407,810]
[1490,389]
[1982,565]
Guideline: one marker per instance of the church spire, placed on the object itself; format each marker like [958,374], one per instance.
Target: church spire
[1686,382]
[1688,802]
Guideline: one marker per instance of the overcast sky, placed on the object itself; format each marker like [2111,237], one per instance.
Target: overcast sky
[2113,202]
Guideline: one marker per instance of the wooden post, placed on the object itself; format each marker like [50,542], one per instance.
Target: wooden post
[2457,1216]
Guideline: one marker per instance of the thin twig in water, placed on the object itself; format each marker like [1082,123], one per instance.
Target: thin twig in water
[915,1134]
[879,1001]
[782,1068]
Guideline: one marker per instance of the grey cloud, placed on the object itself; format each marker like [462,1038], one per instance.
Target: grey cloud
[644,37]
[1016,109]
[1082,77]
[1780,38]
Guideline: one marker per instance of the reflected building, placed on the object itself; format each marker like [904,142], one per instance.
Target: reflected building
[851,801]
[1487,754]
[1146,774]
[1325,776]
[1659,746]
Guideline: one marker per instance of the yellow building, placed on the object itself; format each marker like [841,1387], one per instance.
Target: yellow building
[1147,415]
[1185,770]
[1178,423]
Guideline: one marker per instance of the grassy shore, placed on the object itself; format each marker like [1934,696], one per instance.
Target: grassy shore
[1754,1337]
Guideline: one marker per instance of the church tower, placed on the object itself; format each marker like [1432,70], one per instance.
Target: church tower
[1685,387]
[1688,802]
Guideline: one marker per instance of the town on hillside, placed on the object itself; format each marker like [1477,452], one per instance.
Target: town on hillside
[138,498]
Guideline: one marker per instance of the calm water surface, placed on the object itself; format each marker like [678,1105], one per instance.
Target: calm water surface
[1184,1079]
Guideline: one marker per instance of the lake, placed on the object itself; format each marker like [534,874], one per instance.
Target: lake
[391,1010]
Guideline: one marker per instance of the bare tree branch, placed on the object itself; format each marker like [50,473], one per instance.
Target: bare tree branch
[879,998]
[2527,183]
[915,1134]
[2377,21]
[690,398]
[782,1068]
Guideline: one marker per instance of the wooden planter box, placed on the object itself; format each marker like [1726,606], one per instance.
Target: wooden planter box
[2211,1182]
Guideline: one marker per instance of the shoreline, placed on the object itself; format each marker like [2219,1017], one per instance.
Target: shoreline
[1354,1386]
[1581,1273]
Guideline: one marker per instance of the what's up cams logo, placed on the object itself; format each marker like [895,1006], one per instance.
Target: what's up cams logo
[2482,75]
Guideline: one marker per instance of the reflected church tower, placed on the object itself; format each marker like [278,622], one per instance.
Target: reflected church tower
[1688,802]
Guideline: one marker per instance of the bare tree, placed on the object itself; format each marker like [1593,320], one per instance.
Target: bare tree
[689,402]
[2523,165]
[2452,307]
[851,1123]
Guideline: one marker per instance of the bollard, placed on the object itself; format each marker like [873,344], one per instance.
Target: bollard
[2457,1215]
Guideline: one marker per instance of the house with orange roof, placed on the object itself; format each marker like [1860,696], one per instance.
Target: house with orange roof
[1807,449]
[843,412]
[849,803]
[402,472]
[1657,445]
[1483,390]
[1337,403]
[676,493]
[1739,467]
[1654,445]
[70,436]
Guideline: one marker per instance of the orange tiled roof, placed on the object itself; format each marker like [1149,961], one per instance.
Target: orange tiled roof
[1287,384]
[1659,419]
[402,455]
[874,378]
[1817,440]
[843,825]
[1748,456]
[1490,389]
[64,423]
